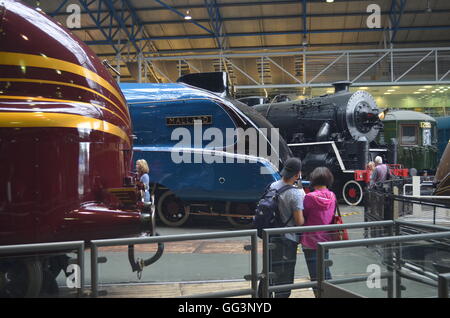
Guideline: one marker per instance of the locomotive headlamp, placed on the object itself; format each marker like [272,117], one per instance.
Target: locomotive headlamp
[381,115]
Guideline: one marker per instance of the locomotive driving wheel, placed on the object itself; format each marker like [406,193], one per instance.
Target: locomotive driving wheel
[21,278]
[241,209]
[171,210]
[352,192]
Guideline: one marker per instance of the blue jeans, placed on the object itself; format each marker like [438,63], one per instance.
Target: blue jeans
[311,262]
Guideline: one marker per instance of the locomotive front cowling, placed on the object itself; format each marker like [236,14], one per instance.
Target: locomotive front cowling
[65,139]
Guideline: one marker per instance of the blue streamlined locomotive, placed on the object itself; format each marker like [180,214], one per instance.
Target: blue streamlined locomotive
[186,135]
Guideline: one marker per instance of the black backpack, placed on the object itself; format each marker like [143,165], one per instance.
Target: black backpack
[267,214]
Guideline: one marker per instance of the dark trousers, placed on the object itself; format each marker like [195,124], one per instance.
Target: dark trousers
[311,262]
[282,263]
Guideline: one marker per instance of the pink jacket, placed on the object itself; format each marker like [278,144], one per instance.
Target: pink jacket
[319,208]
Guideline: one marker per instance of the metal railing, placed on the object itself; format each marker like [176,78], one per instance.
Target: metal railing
[176,238]
[394,258]
[389,201]
[39,248]
[391,243]
[266,289]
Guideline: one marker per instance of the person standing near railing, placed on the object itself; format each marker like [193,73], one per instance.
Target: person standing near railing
[319,209]
[144,180]
[283,257]
[380,173]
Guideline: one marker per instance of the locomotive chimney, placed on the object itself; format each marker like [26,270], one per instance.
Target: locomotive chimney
[342,86]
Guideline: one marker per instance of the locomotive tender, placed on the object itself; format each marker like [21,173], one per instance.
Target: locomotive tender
[65,147]
[336,131]
[229,186]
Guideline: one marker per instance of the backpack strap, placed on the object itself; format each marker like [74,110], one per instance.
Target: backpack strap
[285,188]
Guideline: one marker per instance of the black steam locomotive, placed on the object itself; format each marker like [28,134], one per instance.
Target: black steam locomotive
[336,131]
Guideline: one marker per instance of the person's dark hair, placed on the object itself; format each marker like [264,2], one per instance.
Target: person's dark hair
[321,176]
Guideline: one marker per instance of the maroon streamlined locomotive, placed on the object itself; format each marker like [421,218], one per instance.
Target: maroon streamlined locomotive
[65,139]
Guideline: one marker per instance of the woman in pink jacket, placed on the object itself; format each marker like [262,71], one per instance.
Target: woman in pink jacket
[319,208]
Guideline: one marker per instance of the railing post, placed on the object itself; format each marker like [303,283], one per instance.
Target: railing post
[266,265]
[320,269]
[94,271]
[443,285]
[397,264]
[390,267]
[434,215]
[80,263]
[417,209]
[254,262]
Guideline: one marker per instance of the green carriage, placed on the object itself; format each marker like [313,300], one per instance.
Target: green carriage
[416,136]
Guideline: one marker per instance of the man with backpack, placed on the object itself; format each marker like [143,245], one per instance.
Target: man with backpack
[284,201]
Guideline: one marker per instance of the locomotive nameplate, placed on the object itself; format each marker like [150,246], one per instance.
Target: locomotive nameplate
[188,120]
[425,124]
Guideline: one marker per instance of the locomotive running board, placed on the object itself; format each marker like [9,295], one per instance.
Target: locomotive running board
[222,214]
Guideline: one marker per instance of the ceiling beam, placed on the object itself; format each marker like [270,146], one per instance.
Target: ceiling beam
[287,32]
[279,17]
[216,22]
[285,49]
[395,15]
[220,5]
[176,11]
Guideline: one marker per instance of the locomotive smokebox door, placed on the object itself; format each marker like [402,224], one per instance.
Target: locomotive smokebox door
[362,116]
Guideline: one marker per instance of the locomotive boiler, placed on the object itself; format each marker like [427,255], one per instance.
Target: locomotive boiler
[336,130]
[65,147]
